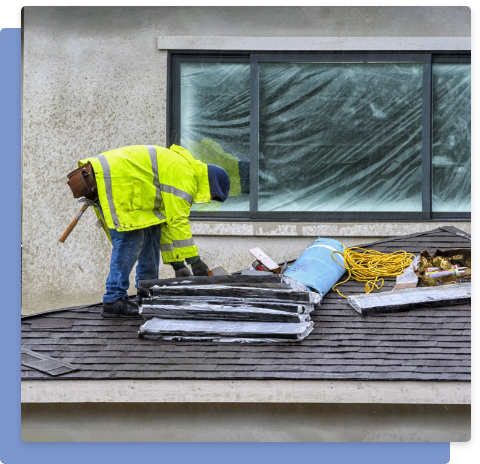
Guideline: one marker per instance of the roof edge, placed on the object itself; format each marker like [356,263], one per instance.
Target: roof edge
[456,231]
[450,229]
[245,391]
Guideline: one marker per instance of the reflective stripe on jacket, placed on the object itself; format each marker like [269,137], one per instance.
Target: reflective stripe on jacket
[143,185]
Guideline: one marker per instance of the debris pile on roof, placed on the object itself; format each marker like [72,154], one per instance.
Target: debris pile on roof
[233,308]
[445,267]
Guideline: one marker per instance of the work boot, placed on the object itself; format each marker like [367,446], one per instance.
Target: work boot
[120,308]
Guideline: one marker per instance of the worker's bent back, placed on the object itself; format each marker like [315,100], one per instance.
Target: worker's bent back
[143,185]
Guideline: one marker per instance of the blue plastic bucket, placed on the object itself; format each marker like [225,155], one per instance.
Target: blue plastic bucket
[316,268]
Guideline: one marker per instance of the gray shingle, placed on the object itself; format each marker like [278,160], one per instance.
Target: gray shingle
[422,344]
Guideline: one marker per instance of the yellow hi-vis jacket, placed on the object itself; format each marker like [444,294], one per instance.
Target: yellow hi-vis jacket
[143,185]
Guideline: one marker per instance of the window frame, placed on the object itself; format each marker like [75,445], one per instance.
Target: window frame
[427,58]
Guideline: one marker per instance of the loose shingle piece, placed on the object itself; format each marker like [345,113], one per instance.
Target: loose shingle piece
[431,344]
[46,363]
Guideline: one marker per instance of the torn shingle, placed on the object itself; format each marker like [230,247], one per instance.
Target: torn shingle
[45,363]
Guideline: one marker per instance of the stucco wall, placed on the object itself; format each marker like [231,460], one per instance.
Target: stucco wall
[199,422]
[93,80]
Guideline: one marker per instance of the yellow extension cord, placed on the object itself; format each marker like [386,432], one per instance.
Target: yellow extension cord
[372,266]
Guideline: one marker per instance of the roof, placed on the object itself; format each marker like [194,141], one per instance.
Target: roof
[422,344]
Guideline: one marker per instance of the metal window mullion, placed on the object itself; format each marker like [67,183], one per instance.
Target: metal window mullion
[427,138]
[173,135]
[254,136]
[171,85]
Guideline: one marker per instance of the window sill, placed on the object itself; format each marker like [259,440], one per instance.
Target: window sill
[312,43]
[308,229]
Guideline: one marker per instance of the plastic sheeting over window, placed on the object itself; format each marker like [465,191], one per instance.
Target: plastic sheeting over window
[451,138]
[340,137]
[215,124]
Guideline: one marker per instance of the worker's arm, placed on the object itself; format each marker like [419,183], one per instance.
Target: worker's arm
[177,242]
[175,255]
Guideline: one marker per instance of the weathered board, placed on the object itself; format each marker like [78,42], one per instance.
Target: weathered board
[220,312]
[406,299]
[211,330]
[238,292]
[277,305]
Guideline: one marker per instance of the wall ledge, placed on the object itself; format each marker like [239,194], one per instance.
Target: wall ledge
[313,43]
[245,391]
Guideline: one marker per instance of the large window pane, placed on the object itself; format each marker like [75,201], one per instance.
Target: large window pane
[215,124]
[451,138]
[340,137]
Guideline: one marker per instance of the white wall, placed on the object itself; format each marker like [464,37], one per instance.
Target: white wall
[243,422]
[94,79]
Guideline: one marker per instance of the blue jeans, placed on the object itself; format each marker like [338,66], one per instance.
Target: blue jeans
[128,247]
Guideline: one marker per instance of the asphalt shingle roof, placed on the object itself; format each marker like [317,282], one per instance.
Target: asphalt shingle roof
[423,344]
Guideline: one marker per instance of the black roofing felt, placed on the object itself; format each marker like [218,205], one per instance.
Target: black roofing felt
[423,344]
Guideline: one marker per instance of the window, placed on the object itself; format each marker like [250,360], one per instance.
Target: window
[337,136]
[451,138]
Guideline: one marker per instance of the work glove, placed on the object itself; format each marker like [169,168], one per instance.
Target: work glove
[181,270]
[199,268]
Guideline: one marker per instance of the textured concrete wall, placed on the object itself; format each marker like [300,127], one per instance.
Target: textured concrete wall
[93,80]
[200,422]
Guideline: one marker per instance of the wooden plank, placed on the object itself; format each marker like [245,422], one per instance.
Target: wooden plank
[221,313]
[278,305]
[267,262]
[221,331]
[237,292]
[403,300]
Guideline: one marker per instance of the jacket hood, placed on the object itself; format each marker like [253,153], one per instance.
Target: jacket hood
[219,182]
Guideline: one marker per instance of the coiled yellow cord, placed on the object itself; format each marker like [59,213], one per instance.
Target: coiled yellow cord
[372,266]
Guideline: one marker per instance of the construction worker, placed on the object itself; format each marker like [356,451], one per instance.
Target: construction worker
[145,193]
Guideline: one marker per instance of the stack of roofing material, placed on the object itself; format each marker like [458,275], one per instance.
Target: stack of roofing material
[226,309]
